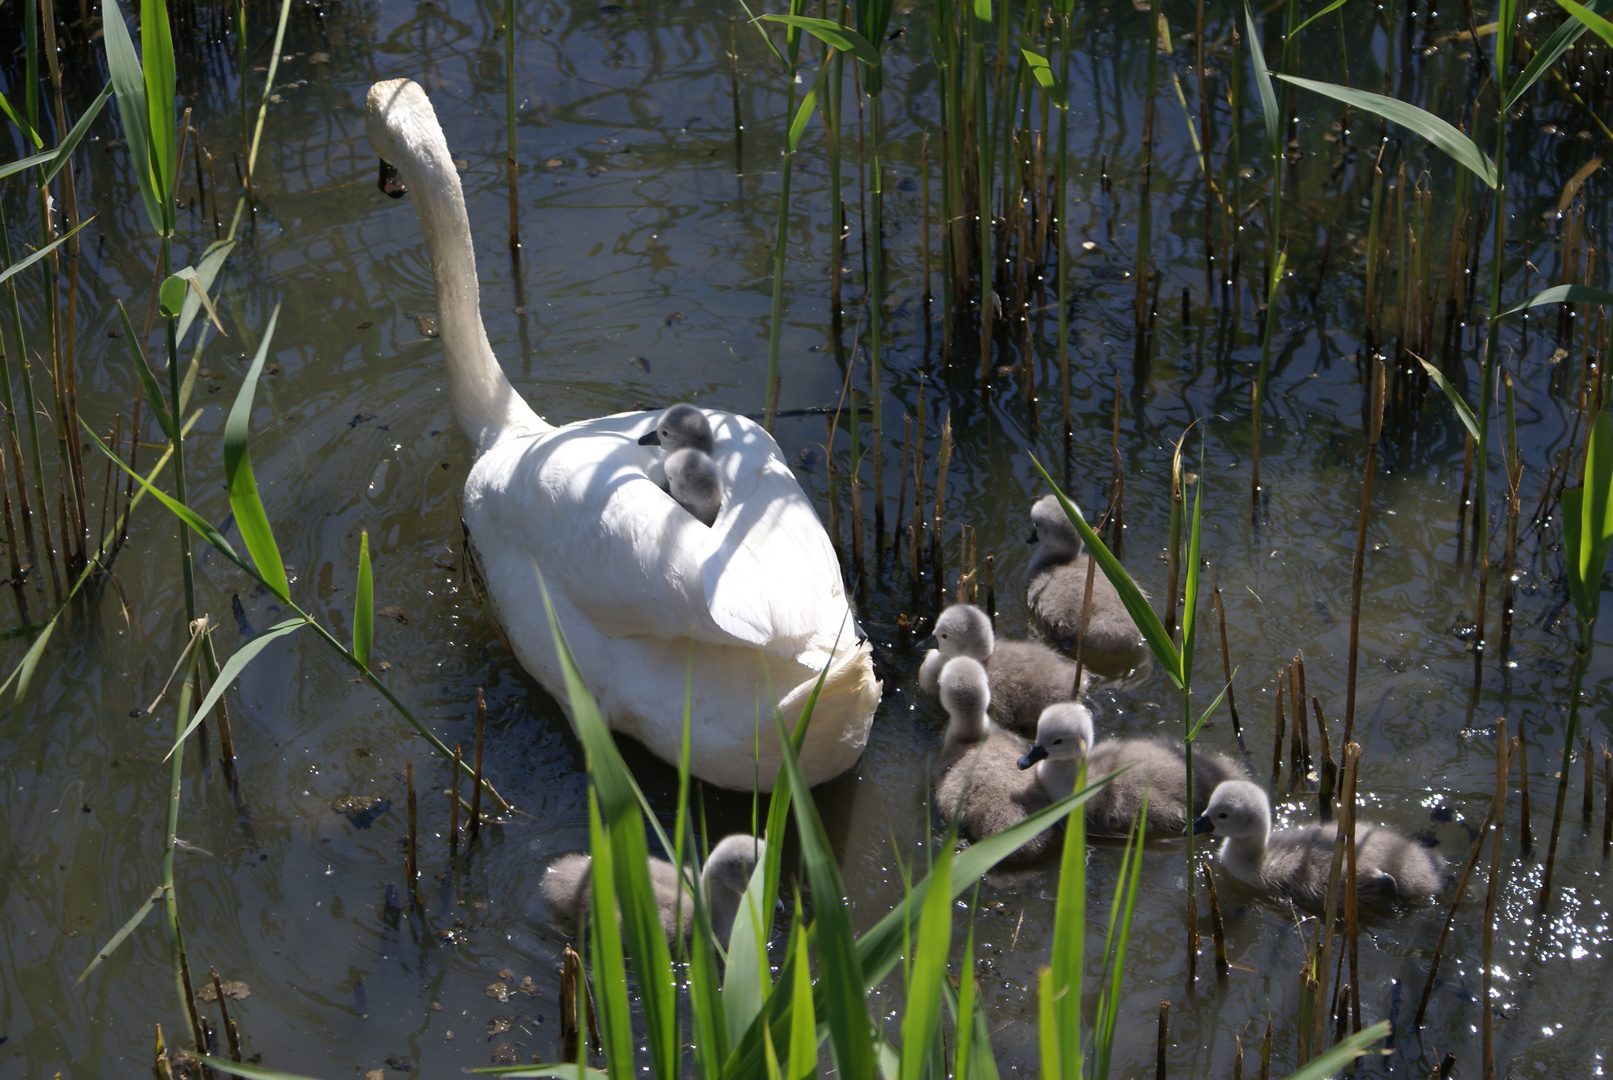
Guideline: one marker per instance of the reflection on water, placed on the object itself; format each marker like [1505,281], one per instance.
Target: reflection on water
[644,280]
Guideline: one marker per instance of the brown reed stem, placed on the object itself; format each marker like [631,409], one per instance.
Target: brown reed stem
[1607,799]
[1450,916]
[901,490]
[1324,800]
[11,528]
[1117,483]
[1374,428]
[453,805]
[1503,766]
[1586,808]
[1352,758]
[411,863]
[1265,1052]
[1218,932]
[1164,1025]
[475,822]
[1296,770]
[834,488]
[1343,835]
[1277,739]
[991,587]
[226,1021]
[1527,839]
[1226,660]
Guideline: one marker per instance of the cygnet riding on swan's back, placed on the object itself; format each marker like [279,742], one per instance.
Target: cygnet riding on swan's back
[1026,676]
[978,764]
[567,885]
[692,478]
[1154,768]
[1296,862]
[641,589]
[1057,591]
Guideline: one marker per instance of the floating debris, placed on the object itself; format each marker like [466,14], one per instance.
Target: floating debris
[361,810]
[235,990]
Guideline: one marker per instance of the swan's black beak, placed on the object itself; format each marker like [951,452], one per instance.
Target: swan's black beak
[1032,756]
[652,439]
[391,181]
[1031,539]
[1203,825]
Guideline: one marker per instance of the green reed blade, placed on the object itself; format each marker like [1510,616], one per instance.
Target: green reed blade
[250,517]
[1463,413]
[1588,521]
[1330,1063]
[122,935]
[1439,134]
[22,164]
[803,1020]
[1269,111]
[129,82]
[1069,942]
[162,127]
[233,668]
[23,126]
[832,34]
[929,969]
[1047,1027]
[258,1072]
[364,603]
[610,965]
[1193,732]
[1561,40]
[746,983]
[804,114]
[180,288]
[207,268]
[76,134]
[1330,9]
[1131,873]
[1136,603]
[1559,294]
[148,378]
[564,1070]
[1190,594]
[773,1072]
[22,264]
[197,523]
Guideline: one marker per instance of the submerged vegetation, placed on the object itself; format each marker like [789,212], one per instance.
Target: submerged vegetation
[1382,227]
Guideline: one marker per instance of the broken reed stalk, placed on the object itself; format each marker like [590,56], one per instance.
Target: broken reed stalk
[1450,916]
[1503,766]
[475,822]
[1265,1052]
[1374,429]
[1226,660]
[1527,839]
[1218,932]
[511,168]
[453,805]
[901,490]
[1586,807]
[937,549]
[1343,834]
[1296,766]
[1300,722]
[1324,799]
[991,587]
[1164,1023]
[833,477]
[1117,482]
[226,1021]
[1173,549]
[411,860]
[1607,799]
[1277,739]
[1352,758]
[1141,305]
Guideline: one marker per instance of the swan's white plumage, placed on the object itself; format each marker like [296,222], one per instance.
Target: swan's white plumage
[641,588]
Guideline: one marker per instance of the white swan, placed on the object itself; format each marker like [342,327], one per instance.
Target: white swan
[753,605]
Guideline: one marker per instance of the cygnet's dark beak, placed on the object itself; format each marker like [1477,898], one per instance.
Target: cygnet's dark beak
[1031,539]
[391,181]
[652,439]
[1203,825]
[1032,756]
[927,643]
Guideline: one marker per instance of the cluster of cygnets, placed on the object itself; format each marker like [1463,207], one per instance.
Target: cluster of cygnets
[691,473]
[991,775]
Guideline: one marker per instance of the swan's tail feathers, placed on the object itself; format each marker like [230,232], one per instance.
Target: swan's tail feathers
[841,717]
[404,131]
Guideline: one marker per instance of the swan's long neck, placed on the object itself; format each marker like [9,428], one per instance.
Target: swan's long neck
[404,130]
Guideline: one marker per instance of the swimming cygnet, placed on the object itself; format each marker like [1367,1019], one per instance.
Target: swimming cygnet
[1158,769]
[1058,581]
[1296,862]
[1026,676]
[691,473]
[725,877]
[978,764]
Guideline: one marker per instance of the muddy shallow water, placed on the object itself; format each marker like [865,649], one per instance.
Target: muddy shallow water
[645,280]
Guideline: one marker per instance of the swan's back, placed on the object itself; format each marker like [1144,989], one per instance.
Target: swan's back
[996,792]
[1026,677]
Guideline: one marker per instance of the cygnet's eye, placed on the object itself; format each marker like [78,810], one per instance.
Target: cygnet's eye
[943,637]
[1056,742]
[1222,815]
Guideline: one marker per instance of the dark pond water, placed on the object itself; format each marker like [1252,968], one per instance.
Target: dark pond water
[645,279]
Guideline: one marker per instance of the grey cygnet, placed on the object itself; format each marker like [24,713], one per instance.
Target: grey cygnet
[1154,768]
[1026,676]
[691,473]
[1296,862]
[724,879]
[1058,581]
[977,775]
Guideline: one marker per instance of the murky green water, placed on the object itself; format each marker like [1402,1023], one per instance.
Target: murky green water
[645,280]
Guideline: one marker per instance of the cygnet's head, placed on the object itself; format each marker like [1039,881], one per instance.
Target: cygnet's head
[679,427]
[965,695]
[1064,731]
[964,630]
[732,862]
[1237,809]
[692,479]
[1052,529]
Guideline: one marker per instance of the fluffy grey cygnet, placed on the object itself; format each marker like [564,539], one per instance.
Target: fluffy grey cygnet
[692,477]
[1155,768]
[1058,581]
[1296,862]
[979,764]
[1026,676]
[727,873]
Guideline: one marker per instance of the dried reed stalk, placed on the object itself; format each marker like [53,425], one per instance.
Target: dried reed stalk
[1218,933]
[226,1021]
[1374,429]
[1277,739]
[411,863]
[1503,766]
[1324,800]
[475,822]
[453,805]
[1226,660]
[1164,1025]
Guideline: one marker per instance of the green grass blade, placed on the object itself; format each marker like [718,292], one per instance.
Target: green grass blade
[1573,503]
[1463,413]
[157,63]
[76,134]
[122,935]
[1131,875]
[1047,1027]
[1190,595]
[1069,939]
[803,114]
[1441,135]
[22,264]
[129,83]
[148,379]
[206,273]
[22,164]
[1559,294]
[233,668]
[364,603]
[250,516]
[565,1070]
[197,523]
[842,971]
[1269,112]
[258,1072]
[803,1019]
[1561,40]
[1343,1053]
[1330,9]
[1592,520]
[1137,605]
[1209,712]
[610,965]
[746,983]
[23,126]
[929,969]
[1602,28]
[833,35]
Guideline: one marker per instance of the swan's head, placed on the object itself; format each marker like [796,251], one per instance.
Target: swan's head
[692,479]
[682,427]
[965,695]
[1064,731]
[404,132]
[1237,809]
[1051,529]
[964,630]
[731,864]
